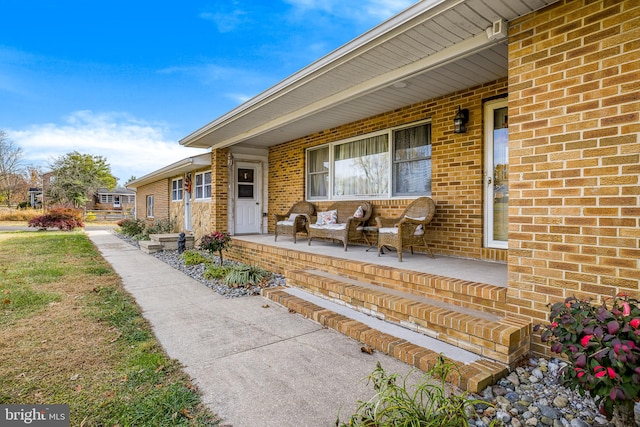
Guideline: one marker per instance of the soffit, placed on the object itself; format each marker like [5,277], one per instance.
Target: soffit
[435,47]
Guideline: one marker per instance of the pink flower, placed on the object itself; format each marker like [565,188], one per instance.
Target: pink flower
[554,325]
[626,309]
[635,323]
[585,340]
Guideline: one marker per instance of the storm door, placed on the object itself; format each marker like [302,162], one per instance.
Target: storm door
[496,174]
[248,201]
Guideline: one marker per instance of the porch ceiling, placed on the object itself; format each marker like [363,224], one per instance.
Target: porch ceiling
[433,48]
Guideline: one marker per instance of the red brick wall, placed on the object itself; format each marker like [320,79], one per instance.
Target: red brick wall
[574,98]
[457,161]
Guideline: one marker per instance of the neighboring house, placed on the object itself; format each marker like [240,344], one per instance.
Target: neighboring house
[119,199]
[520,119]
[180,193]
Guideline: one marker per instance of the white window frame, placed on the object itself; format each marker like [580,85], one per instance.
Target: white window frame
[203,189]
[391,146]
[177,190]
[150,206]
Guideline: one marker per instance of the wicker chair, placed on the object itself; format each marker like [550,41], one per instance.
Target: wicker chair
[286,224]
[347,227]
[408,229]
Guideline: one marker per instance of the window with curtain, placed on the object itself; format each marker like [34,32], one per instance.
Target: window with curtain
[176,190]
[318,173]
[149,206]
[203,185]
[412,161]
[361,168]
[396,163]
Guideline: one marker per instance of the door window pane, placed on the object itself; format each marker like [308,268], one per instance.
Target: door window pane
[500,174]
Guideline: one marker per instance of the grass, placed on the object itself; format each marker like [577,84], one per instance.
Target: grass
[70,334]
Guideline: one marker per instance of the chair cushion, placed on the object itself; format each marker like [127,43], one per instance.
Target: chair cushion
[394,230]
[329,226]
[327,218]
[286,222]
[293,216]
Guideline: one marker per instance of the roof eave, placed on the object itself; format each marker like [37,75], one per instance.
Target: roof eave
[420,11]
[185,165]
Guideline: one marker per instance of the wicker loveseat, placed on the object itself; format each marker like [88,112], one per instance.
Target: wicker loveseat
[295,220]
[408,230]
[346,227]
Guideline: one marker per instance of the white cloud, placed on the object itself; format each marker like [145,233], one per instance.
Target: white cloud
[226,22]
[131,146]
[364,10]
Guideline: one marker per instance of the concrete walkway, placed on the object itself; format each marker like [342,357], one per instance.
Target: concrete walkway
[255,363]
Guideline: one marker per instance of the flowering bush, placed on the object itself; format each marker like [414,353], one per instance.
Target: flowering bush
[215,242]
[61,218]
[602,345]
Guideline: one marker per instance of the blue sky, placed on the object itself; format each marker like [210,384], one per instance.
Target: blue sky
[128,79]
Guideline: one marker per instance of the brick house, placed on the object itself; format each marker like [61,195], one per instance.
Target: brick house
[180,193]
[544,176]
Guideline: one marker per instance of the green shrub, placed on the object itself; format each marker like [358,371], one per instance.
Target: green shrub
[245,275]
[131,227]
[428,405]
[161,226]
[61,218]
[193,257]
[215,272]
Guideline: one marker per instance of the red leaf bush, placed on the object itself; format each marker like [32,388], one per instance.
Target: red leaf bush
[61,218]
[602,346]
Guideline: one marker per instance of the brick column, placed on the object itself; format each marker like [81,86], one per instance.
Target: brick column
[219,189]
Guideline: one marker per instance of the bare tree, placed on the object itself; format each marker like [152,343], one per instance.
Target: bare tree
[11,170]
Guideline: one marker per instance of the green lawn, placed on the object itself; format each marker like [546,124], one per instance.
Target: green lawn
[70,334]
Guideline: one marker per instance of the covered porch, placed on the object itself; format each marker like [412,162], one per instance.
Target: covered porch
[485,272]
[458,305]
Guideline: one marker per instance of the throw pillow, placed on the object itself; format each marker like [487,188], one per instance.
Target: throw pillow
[292,217]
[359,213]
[328,217]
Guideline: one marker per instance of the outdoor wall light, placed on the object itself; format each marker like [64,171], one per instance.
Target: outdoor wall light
[460,121]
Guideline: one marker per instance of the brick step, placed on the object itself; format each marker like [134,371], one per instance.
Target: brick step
[473,376]
[463,293]
[500,338]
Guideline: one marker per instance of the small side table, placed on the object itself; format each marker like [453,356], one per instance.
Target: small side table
[376,229]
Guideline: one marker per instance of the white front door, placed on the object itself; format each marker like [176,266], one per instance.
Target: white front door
[496,176]
[116,201]
[248,191]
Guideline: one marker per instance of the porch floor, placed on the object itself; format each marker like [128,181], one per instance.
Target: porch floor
[491,273]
